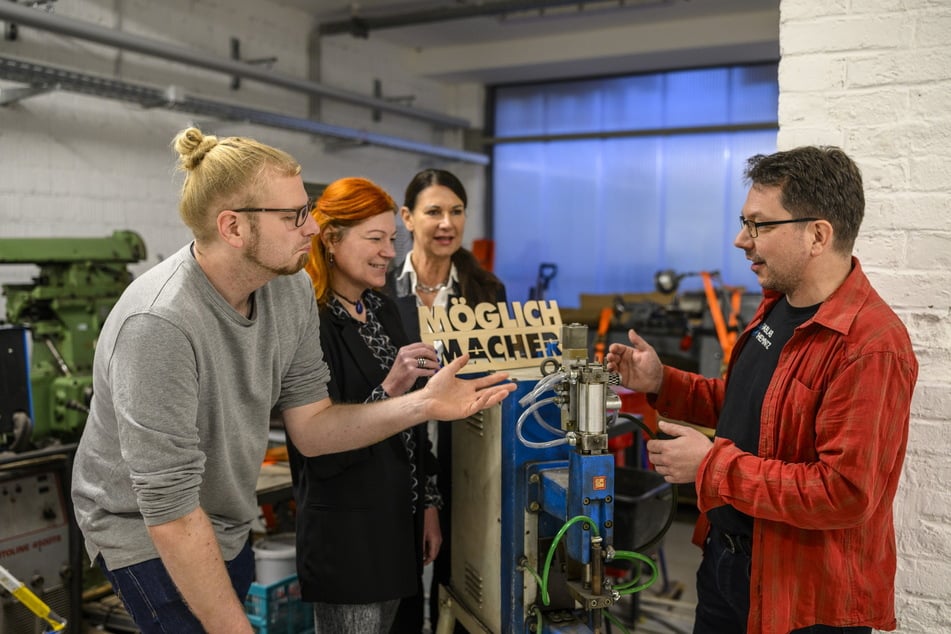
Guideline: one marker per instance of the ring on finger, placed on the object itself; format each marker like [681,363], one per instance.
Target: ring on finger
[421,362]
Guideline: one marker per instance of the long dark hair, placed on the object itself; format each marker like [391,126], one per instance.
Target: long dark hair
[476,284]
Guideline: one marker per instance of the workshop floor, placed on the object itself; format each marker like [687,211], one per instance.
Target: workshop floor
[670,610]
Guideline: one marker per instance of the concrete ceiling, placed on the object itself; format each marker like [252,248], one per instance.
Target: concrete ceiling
[555,38]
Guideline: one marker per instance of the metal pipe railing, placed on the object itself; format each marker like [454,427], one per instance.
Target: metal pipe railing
[148,97]
[26,16]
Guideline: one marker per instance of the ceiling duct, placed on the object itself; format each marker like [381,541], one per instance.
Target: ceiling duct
[26,16]
[41,77]
[360,25]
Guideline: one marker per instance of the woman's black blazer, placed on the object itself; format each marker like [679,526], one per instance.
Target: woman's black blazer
[358,540]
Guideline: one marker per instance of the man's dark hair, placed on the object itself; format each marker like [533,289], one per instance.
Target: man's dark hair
[821,182]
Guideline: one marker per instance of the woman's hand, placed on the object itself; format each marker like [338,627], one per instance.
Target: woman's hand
[412,361]
[432,534]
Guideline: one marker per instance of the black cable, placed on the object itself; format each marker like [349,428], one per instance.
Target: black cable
[673,488]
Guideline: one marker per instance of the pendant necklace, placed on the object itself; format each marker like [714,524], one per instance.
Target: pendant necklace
[357,305]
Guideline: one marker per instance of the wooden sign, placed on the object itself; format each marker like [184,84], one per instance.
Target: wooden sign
[496,336]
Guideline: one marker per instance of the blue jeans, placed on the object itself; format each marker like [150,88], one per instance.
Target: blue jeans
[723,591]
[153,601]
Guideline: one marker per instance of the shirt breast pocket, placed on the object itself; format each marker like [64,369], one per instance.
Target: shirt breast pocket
[796,432]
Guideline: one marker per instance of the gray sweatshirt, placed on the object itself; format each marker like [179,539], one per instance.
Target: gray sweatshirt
[183,389]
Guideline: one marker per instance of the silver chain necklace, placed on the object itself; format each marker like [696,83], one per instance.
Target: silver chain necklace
[422,288]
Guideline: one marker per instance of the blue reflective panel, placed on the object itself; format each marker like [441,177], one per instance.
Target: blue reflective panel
[696,98]
[701,97]
[520,111]
[634,103]
[634,219]
[520,174]
[574,107]
[611,212]
[754,94]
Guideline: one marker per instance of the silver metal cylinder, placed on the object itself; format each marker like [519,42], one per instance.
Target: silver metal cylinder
[591,408]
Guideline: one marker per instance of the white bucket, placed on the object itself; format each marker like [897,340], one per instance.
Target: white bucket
[274,558]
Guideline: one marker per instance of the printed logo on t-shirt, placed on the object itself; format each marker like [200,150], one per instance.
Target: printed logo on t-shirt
[763,334]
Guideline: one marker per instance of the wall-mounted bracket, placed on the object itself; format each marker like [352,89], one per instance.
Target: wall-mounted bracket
[171,97]
[267,62]
[13,95]
[406,100]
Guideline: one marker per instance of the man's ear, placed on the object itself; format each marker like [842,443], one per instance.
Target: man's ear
[231,228]
[822,236]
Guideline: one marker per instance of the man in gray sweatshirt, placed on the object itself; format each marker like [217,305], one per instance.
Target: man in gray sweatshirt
[190,364]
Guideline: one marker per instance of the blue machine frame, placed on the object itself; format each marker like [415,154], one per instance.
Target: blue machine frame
[547,462]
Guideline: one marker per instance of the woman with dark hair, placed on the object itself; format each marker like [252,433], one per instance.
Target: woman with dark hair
[363,516]
[437,270]
[438,267]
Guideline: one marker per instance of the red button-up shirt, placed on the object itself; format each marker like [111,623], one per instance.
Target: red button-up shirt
[833,431]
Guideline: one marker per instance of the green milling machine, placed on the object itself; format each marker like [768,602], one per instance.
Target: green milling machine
[48,342]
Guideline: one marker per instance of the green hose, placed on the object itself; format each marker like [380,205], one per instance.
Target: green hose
[615,621]
[629,587]
[554,544]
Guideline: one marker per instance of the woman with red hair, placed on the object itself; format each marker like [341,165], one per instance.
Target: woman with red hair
[363,516]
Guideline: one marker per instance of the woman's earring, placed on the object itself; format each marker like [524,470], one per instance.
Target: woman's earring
[331,259]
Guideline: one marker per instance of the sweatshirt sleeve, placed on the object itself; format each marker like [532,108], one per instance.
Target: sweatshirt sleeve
[155,396]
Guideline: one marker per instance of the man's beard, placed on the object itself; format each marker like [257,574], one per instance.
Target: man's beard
[253,255]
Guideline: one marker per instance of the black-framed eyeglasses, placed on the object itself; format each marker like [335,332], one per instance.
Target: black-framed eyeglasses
[299,219]
[753,227]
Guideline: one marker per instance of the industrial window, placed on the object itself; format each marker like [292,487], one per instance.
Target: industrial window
[614,179]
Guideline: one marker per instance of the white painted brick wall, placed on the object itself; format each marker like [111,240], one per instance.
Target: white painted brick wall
[73,165]
[874,76]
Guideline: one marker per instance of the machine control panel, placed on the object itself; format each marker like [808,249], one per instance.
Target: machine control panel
[34,539]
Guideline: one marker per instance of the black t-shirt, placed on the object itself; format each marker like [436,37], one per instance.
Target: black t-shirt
[752,371]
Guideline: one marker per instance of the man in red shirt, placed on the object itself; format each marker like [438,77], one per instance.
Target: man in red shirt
[811,421]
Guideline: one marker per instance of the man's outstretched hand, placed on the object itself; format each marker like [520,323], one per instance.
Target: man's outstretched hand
[638,364]
[452,398]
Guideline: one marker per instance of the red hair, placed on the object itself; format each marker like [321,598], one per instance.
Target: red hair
[343,204]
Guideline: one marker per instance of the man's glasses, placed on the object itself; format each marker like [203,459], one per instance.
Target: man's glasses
[753,227]
[299,219]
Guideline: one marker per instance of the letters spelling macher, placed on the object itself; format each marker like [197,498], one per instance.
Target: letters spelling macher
[496,336]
